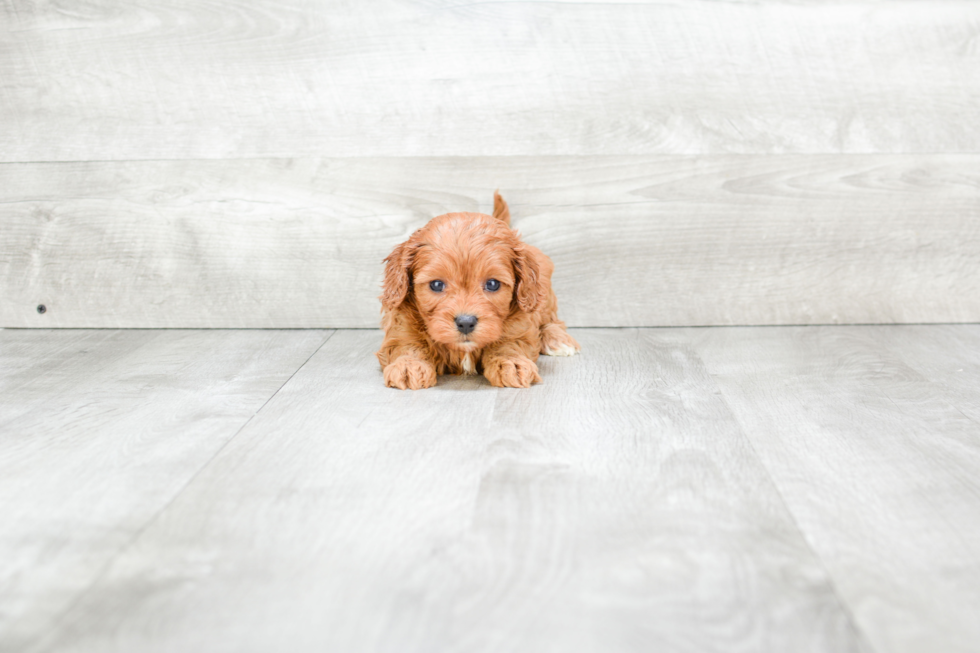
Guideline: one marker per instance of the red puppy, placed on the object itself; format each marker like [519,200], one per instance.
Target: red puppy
[464,295]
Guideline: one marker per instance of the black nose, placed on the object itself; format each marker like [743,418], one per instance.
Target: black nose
[465,323]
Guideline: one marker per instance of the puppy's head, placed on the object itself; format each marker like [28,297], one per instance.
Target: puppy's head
[465,274]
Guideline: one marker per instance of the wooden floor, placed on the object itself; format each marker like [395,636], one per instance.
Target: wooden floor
[716,489]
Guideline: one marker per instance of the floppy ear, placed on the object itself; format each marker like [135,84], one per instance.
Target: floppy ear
[398,277]
[527,292]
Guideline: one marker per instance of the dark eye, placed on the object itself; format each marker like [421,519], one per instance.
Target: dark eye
[492,285]
[437,286]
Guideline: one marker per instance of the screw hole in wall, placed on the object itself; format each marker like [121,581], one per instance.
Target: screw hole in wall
[42,309]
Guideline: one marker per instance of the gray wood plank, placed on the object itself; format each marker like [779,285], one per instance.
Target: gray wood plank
[221,79]
[875,461]
[637,241]
[38,365]
[948,356]
[98,432]
[615,507]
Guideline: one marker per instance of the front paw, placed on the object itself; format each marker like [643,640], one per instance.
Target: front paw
[517,372]
[409,373]
[555,341]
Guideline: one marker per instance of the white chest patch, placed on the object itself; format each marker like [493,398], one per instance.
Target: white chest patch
[468,366]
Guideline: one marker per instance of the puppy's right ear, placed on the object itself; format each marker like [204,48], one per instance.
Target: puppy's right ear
[398,277]
[527,270]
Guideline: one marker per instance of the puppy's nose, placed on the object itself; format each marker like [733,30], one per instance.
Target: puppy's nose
[465,323]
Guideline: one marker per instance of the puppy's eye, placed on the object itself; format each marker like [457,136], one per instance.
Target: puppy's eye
[492,285]
[437,286]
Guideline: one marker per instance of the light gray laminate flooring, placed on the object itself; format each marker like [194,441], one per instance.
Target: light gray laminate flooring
[716,489]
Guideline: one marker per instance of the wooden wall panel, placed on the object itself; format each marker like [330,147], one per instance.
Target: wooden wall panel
[174,79]
[637,241]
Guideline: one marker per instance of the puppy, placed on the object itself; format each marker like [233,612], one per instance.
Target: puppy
[464,295]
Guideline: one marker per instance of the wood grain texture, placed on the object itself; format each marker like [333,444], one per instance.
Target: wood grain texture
[948,356]
[615,507]
[637,241]
[99,430]
[878,462]
[174,79]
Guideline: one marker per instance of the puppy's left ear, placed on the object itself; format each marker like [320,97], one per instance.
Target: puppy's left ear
[398,277]
[527,270]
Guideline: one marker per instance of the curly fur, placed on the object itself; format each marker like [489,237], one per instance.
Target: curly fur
[515,324]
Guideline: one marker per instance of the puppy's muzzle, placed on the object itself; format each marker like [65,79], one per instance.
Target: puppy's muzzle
[465,323]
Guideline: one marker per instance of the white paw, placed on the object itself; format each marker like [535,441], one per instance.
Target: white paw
[563,349]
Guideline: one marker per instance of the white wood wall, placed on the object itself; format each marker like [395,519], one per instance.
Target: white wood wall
[249,164]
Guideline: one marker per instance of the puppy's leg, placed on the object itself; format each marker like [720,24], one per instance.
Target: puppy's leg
[555,340]
[407,362]
[509,364]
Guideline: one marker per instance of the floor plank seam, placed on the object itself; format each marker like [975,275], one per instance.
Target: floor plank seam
[859,633]
[59,621]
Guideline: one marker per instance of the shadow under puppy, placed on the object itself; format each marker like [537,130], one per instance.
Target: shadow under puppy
[464,295]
